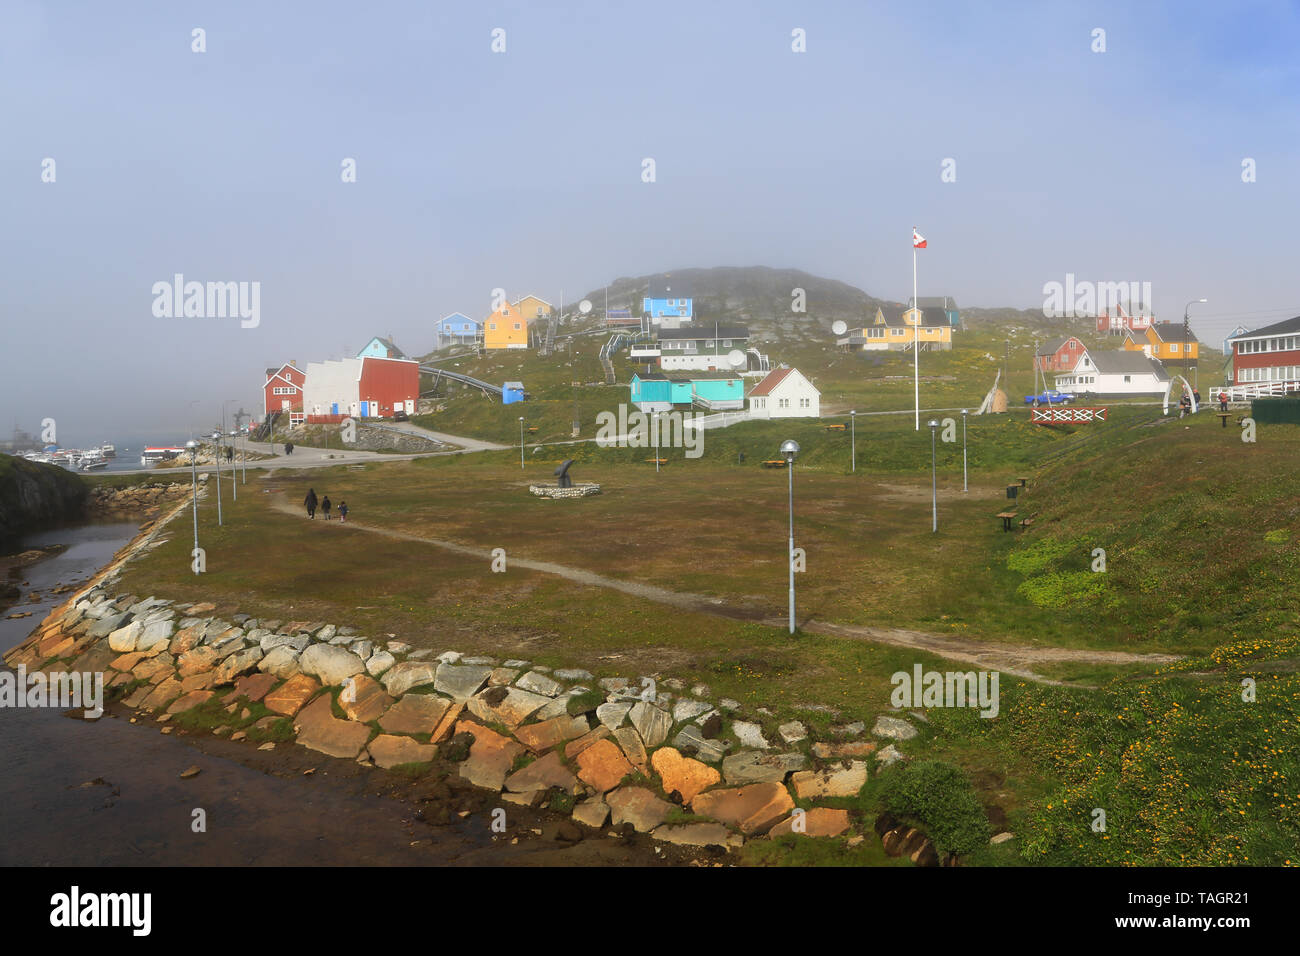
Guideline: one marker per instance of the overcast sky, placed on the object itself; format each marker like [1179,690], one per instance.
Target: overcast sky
[523,169]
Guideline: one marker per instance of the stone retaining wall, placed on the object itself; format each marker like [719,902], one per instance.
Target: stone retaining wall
[678,763]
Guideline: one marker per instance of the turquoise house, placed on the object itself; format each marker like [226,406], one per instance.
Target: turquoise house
[654,391]
[381,348]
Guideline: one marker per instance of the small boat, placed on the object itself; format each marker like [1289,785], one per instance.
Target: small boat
[107,450]
[92,460]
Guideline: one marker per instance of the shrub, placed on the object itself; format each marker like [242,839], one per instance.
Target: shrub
[940,800]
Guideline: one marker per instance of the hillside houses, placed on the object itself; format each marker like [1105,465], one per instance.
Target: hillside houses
[944,302]
[894,328]
[1123,321]
[381,348]
[667,303]
[283,390]
[457,329]
[657,392]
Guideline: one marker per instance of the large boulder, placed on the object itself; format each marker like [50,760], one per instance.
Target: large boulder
[331,663]
[751,809]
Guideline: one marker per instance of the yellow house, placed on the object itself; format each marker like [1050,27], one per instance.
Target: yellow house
[1165,341]
[506,328]
[895,329]
[531,307]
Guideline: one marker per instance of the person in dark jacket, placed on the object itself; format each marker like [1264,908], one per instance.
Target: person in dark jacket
[325,506]
[310,502]
[1196,394]
[343,511]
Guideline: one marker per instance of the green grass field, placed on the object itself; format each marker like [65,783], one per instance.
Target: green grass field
[1201,562]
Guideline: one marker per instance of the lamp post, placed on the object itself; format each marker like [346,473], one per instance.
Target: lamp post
[1187,341]
[853,440]
[193,447]
[243,455]
[789,449]
[934,485]
[521,442]
[963,451]
[216,453]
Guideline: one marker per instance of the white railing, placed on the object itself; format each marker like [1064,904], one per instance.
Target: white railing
[1244,393]
[717,420]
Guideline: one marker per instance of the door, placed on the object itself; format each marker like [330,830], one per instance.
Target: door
[410,406]
[365,409]
[334,408]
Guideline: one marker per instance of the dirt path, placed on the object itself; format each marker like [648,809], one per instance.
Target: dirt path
[1008,658]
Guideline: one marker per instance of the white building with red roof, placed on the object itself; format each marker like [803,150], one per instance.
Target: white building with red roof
[785,393]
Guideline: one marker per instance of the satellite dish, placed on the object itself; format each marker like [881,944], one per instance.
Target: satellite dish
[736,357]
[584,306]
[839,327]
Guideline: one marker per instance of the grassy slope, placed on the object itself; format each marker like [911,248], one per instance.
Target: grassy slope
[1185,770]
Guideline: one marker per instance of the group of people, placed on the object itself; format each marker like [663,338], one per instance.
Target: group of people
[311,503]
[1185,403]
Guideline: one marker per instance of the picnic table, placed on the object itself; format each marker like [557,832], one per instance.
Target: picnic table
[774,463]
[1024,482]
[1223,417]
[835,428]
[657,461]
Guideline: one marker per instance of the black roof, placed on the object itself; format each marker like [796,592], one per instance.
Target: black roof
[1277,328]
[1172,332]
[706,331]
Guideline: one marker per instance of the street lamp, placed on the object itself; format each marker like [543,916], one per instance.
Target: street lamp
[243,455]
[193,447]
[1187,341]
[521,442]
[934,486]
[789,449]
[963,451]
[216,453]
[853,426]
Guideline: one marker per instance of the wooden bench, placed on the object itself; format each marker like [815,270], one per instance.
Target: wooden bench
[1024,482]
[835,428]
[532,430]
[1006,517]
[1223,417]
[774,463]
[657,461]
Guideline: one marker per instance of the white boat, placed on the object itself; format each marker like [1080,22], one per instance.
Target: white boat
[156,453]
[107,450]
[92,460]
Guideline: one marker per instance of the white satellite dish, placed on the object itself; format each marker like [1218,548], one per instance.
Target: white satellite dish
[736,357]
[584,306]
[839,327]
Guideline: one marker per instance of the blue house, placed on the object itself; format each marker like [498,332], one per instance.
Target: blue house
[668,300]
[1227,340]
[512,392]
[381,348]
[458,329]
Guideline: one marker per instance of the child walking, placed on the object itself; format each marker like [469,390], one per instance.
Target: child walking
[343,511]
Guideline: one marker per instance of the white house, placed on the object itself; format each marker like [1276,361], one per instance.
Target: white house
[1114,373]
[785,393]
[332,388]
[703,349]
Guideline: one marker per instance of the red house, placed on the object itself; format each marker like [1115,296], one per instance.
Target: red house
[1060,355]
[1270,354]
[1122,322]
[282,391]
[388,386]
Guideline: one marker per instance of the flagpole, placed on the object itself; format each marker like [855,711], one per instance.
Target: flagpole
[916,338]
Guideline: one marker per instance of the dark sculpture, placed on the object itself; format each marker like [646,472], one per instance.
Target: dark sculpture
[563,473]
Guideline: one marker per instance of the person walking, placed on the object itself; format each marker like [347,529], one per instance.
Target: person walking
[343,511]
[310,502]
[288,448]
[325,506]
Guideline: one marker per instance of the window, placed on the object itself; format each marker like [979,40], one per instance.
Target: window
[1128,379]
[783,403]
[805,402]
[516,326]
[492,326]
[1173,348]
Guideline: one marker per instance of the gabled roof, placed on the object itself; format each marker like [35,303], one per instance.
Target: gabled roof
[706,332]
[1172,332]
[1123,362]
[931,318]
[458,315]
[393,350]
[531,296]
[1277,328]
[892,314]
[936,302]
[770,381]
[1052,346]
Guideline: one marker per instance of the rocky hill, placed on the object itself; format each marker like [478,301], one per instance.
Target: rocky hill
[35,496]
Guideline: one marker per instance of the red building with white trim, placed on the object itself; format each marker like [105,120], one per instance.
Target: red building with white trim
[1270,354]
[282,391]
[1060,355]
